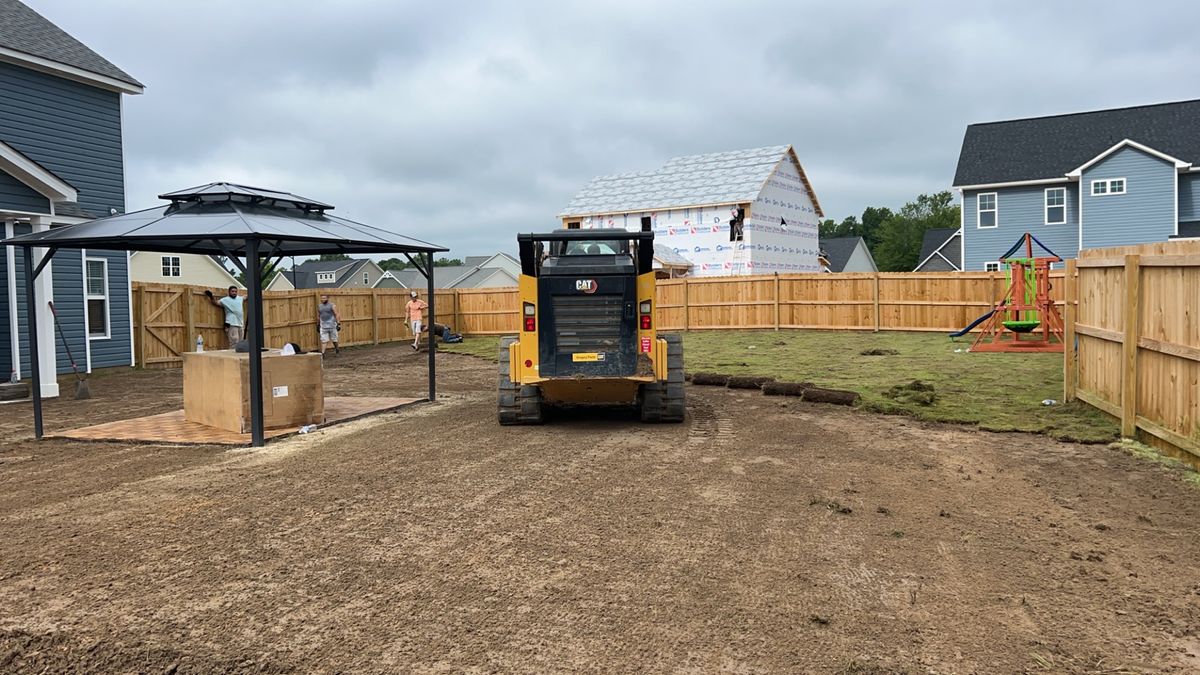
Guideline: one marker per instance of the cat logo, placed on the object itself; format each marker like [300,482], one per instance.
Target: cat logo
[585,285]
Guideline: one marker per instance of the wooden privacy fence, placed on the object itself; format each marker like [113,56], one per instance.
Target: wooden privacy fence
[908,301]
[1136,339]
[169,317]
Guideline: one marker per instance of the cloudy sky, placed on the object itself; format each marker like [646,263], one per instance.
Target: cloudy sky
[462,123]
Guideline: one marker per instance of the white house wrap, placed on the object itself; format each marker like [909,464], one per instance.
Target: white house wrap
[693,201]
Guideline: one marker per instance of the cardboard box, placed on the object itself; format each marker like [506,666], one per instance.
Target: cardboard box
[216,389]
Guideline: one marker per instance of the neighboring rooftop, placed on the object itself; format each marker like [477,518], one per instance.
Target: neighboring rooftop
[838,251]
[305,274]
[1040,148]
[697,180]
[24,30]
[935,241]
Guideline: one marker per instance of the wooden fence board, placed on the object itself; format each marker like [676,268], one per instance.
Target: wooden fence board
[1137,341]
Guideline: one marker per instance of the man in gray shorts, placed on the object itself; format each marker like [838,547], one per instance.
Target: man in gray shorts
[329,322]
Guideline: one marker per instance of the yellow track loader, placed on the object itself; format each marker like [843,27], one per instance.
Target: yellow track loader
[587,329]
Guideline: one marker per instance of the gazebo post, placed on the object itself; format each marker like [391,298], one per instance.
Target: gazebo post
[35,367]
[432,319]
[255,337]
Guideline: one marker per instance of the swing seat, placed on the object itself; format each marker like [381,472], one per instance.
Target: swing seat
[1022,326]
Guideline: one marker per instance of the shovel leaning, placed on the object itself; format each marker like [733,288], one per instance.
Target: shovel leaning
[82,390]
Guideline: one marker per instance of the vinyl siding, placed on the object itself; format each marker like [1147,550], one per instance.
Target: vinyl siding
[860,260]
[70,128]
[1145,213]
[17,196]
[113,351]
[936,264]
[1189,197]
[1019,210]
[68,300]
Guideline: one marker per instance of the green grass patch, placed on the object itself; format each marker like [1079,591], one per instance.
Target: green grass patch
[997,392]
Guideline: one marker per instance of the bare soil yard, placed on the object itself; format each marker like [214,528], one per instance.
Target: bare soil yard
[758,536]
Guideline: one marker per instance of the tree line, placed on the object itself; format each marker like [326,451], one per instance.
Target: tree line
[894,237]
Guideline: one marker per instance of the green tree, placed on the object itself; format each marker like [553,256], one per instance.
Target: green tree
[900,234]
[326,257]
[268,268]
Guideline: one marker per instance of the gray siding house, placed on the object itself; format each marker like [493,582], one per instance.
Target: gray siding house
[1085,180]
[61,163]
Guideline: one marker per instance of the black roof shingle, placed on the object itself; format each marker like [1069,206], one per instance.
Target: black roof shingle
[24,30]
[1049,147]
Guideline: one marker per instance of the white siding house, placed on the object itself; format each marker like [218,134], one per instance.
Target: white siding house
[695,202]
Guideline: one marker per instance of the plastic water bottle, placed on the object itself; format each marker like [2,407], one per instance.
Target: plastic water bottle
[199,344]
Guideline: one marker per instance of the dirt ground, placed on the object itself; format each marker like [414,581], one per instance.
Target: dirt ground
[758,536]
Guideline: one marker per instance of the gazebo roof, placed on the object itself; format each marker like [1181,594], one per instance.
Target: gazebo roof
[219,218]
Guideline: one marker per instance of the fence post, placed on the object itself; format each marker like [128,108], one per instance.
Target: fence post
[777,301]
[875,300]
[1129,348]
[189,320]
[1070,357]
[141,301]
[687,321]
[458,324]
[374,317]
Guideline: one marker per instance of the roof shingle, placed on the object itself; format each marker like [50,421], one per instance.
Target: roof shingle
[696,180]
[1048,147]
[24,30]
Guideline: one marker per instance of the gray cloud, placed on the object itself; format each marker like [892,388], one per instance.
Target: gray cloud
[463,123]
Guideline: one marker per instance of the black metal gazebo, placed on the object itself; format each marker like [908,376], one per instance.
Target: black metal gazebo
[234,221]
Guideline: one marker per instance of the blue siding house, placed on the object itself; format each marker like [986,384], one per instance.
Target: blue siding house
[61,163]
[1085,180]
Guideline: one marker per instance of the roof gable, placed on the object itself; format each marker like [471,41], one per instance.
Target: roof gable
[1048,148]
[936,242]
[712,179]
[29,39]
[838,251]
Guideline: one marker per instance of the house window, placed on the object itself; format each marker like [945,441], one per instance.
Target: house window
[987,210]
[1111,186]
[96,295]
[366,279]
[1056,206]
[325,277]
[170,265]
[991,266]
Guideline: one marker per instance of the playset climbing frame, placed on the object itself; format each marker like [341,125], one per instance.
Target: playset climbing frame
[1025,319]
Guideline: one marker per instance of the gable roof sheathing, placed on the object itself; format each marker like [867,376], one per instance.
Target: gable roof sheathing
[1047,148]
[713,179]
[25,31]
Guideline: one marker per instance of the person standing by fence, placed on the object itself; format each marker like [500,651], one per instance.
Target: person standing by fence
[232,304]
[329,322]
[416,317]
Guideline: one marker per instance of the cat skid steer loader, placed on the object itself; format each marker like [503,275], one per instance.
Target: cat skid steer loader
[587,329]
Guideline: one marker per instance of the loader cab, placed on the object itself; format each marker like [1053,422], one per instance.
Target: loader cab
[585,300]
[587,331]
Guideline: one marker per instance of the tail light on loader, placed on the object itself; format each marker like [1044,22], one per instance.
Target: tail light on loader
[530,317]
[644,310]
